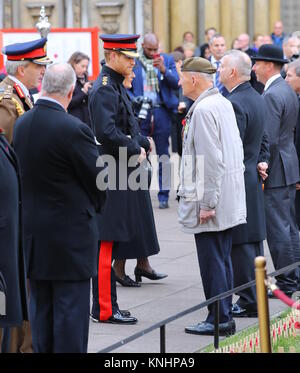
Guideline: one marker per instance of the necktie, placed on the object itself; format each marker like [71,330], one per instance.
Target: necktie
[218,84]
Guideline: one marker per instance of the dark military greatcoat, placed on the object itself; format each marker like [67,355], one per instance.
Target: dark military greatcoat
[127,216]
[12,262]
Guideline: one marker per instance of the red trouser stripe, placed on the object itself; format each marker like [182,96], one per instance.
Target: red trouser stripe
[104,280]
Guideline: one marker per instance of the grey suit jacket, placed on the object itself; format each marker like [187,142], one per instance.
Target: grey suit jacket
[282,109]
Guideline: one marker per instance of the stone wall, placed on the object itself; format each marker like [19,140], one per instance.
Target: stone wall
[168,18]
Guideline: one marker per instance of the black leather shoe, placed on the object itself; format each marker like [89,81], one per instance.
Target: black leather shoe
[124,313]
[139,273]
[127,282]
[238,311]
[206,328]
[118,318]
[163,205]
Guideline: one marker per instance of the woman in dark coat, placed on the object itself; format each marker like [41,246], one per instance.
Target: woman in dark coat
[79,105]
[12,262]
[144,242]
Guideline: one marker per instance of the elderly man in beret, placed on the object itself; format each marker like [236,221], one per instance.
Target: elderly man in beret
[212,188]
[281,108]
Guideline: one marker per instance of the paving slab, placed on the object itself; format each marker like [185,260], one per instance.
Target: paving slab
[156,301]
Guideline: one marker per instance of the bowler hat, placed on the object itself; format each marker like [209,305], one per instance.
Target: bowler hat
[270,53]
[198,64]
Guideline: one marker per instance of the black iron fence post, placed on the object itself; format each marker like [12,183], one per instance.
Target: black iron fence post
[217,321]
[163,339]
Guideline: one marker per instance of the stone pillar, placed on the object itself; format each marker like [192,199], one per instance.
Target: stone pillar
[183,16]
[1,13]
[261,18]
[233,19]
[225,21]
[161,22]
[110,13]
[139,17]
[148,15]
[7,14]
[77,14]
[84,13]
[238,18]
[212,14]
[201,21]
[69,13]
[30,12]
[274,13]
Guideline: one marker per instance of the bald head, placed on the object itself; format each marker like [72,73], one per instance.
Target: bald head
[244,42]
[278,28]
[150,45]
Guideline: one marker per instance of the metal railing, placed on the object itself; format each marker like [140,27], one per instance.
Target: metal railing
[215,300]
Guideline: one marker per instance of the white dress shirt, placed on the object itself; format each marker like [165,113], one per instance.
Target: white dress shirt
[271,80]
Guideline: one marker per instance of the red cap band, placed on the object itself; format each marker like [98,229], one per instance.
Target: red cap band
[112,45]
[37,53]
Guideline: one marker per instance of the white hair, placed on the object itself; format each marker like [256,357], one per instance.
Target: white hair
[12,66]
[59,79]
[208,77]
[295,65]
[241,61]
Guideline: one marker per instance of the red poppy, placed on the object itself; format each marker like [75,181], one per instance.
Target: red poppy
[2,132]
[183,122]
[297,325]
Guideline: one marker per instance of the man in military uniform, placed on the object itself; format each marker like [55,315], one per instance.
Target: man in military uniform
[25,67]
[113,121]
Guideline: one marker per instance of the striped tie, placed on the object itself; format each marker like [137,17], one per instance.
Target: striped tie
[218,84]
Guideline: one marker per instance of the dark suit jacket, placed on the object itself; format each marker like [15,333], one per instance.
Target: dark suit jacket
[58,158]
[297,144]
[12,262]
[167,83]
[281,107]
[248,106]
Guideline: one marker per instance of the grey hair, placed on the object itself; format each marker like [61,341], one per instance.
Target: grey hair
[288,38]
[59,79]
[241,61]
[295,65]
[208,77]
[12,66]
[216,36]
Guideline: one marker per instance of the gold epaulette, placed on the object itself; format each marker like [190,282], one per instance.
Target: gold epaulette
[8,95]
[19,108]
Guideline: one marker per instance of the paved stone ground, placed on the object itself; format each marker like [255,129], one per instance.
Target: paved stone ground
[156,301]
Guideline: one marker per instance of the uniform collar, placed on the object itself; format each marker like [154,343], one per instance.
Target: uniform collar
[113,74]
[22,86]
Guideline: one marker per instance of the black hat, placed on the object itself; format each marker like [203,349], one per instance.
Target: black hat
[123,43]
[270,53]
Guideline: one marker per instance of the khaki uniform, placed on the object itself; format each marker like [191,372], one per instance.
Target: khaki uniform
[13,104]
